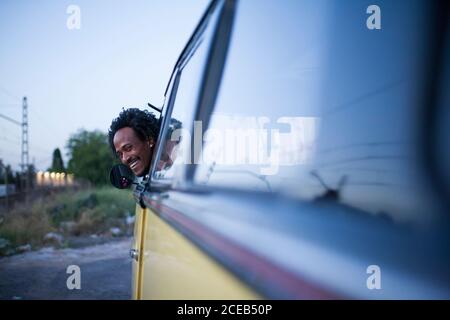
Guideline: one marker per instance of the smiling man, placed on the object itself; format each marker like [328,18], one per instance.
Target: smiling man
[132,136]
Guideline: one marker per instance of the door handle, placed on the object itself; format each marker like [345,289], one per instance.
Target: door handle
[134,254]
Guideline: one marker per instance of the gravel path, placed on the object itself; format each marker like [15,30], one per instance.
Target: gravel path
[105,273]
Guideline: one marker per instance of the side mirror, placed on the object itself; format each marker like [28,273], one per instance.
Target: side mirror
[121,176]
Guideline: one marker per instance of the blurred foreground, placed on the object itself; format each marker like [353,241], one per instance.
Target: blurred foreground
[90,228]
[105,273]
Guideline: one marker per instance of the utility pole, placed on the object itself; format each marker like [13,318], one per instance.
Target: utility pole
[24,159]
[25,180]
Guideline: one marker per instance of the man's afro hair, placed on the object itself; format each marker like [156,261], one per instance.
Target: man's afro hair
[143,122]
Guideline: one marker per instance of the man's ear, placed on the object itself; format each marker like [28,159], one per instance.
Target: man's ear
[151,142]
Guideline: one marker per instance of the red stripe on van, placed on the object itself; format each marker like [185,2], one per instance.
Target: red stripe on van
[262,269]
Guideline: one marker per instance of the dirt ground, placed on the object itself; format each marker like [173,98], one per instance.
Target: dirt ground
[105,271]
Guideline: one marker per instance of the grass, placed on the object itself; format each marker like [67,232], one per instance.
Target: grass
[70,212]
[26,225]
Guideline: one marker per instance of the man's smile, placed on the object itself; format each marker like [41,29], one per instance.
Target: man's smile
[134,163]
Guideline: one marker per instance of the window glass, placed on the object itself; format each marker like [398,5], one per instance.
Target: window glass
[176,153]
[315,104]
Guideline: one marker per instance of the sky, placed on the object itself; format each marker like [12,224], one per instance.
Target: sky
[121,56]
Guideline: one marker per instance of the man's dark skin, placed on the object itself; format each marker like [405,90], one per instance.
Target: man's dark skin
[136,154]
[132,151]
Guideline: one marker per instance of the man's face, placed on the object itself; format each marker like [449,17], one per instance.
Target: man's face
[132,151]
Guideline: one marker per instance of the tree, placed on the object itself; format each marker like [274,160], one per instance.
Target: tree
[57,162]
[30,175]
[25,180]
[6,174]
[90,156]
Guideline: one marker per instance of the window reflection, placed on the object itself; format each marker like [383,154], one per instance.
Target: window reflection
[333,104]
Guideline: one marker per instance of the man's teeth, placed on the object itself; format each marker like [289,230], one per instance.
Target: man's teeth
[133,164]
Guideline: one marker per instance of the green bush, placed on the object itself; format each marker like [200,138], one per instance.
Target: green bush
[90,211]
[26,224]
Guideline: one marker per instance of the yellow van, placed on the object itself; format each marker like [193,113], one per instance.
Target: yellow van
[309,156]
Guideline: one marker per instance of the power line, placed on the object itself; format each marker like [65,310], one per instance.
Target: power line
[8,93]
[11,120]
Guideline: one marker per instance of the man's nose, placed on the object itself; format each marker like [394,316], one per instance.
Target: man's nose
[126,158]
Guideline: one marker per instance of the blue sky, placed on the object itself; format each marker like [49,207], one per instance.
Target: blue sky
[121,57]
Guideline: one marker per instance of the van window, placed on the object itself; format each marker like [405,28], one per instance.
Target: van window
[315,104]
[176,152]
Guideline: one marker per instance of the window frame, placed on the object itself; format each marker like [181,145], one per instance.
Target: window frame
[209,84]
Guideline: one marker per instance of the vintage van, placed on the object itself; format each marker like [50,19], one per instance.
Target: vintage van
[310,150]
